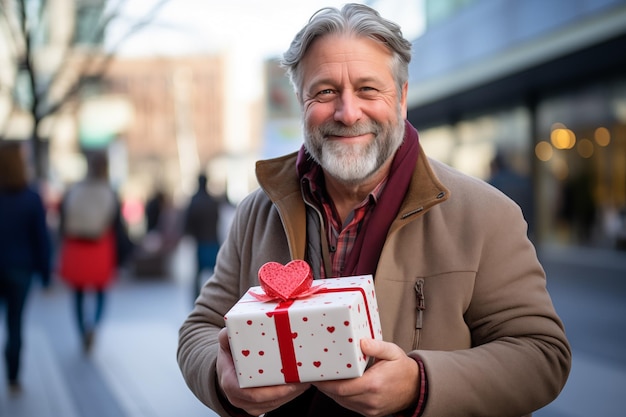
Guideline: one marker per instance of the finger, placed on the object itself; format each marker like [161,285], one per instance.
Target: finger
[381,350]
[260,400]
[222,338]
[340,390]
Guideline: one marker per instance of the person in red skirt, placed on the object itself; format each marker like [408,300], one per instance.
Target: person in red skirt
[92,244]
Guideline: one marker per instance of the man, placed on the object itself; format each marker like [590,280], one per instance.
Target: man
[201,221]
[468,326]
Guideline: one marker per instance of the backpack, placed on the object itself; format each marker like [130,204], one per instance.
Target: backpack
[89,210]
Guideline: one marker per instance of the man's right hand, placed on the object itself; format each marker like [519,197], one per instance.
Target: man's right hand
[254,401]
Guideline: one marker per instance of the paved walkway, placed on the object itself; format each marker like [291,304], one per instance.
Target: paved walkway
[134,356]
[45,393]
[594,388]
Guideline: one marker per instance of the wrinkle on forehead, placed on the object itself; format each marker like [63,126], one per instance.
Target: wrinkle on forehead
[348,55]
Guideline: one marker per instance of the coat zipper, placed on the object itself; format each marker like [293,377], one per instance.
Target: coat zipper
[420,306]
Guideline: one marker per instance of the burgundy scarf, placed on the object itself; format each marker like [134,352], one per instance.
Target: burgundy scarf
[363,259]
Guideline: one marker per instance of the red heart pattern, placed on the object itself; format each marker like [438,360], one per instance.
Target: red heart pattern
[324,347]
[285,281]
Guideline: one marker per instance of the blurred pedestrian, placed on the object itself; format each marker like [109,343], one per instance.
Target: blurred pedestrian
[516,186]
[154,208]
[201,223]
[152,256]
[24,249]
[94,243]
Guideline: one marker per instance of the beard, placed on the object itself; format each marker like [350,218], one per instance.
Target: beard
[353,163]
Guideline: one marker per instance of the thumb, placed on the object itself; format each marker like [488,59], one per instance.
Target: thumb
[380,350]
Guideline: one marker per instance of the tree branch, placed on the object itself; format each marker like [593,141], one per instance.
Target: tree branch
[97,64]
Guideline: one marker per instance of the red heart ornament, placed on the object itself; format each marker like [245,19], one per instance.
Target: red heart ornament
[285,281]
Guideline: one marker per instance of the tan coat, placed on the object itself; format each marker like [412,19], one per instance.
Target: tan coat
[489,337]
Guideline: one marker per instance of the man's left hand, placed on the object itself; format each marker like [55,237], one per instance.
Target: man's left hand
[388,386]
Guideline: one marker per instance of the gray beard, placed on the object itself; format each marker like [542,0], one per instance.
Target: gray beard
[352,164]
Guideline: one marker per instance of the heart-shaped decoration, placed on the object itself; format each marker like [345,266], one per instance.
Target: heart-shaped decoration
[285,281]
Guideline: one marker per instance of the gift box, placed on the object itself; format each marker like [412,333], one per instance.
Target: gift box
[304,339]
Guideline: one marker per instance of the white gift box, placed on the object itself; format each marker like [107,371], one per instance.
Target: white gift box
[303,340]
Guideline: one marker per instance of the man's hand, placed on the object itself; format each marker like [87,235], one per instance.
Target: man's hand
[388,386]
[254,401]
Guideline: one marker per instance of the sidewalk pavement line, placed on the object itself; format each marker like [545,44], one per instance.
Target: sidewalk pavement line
[56,390]
[120,381]
[44,393]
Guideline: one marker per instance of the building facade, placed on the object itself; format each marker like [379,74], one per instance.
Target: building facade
[175,121]
[542,85]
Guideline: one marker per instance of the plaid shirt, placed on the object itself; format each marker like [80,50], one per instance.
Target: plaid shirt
[341,238]
[342,235]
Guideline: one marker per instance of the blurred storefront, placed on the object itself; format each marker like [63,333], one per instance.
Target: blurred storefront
[541,84]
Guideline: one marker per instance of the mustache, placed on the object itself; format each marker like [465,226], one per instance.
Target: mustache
[338,129]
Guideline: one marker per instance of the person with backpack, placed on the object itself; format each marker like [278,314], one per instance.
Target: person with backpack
[93,244]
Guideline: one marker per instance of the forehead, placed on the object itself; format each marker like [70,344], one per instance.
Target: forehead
[339,52]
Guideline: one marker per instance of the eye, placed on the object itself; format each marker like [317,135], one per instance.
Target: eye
[325,92]
[368,90]
[325,95]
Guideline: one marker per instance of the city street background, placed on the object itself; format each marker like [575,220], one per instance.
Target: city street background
[188,87]
[132,371]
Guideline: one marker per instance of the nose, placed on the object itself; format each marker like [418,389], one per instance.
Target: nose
[347,109]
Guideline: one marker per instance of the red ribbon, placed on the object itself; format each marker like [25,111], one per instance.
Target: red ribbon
[285,341]
[285,336]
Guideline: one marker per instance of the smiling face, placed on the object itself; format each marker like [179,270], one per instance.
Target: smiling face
[353,112]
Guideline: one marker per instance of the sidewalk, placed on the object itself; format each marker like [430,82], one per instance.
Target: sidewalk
[594,388]
[134,355]
[45,393]
[588,286]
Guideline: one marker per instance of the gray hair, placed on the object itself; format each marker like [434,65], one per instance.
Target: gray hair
[355,19]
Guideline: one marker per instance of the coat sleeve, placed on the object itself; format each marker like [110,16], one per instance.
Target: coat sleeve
[520,358]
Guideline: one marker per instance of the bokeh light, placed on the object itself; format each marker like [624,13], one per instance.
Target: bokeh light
[602,136]
[544,151]
[563,138]
[585,148]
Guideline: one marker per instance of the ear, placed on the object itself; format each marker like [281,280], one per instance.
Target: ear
[403,98]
